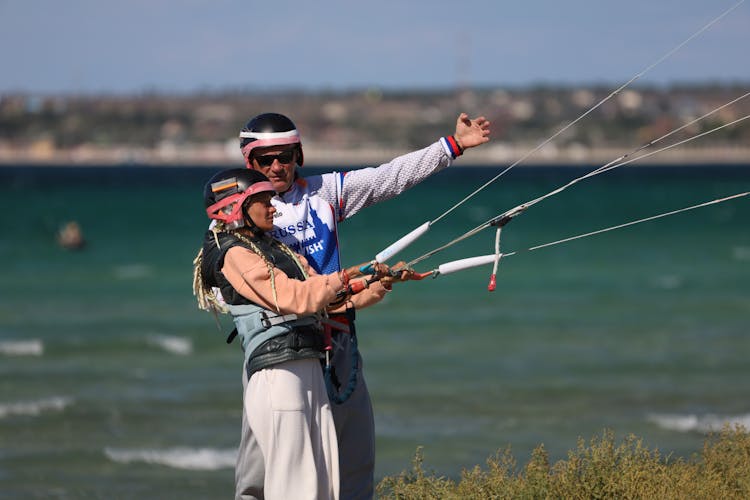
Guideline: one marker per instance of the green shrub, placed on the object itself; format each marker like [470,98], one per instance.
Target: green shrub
[601,469]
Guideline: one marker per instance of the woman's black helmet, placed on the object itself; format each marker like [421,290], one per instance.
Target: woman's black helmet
[226,192]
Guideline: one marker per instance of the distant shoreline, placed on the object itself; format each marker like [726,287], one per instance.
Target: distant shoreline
[490,155]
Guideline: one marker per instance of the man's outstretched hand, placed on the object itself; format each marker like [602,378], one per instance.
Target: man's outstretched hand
[472,132]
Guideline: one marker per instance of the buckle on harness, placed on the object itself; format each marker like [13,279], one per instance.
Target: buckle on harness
[269,321]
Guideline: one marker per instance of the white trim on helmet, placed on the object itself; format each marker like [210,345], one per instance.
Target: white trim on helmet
[246,134]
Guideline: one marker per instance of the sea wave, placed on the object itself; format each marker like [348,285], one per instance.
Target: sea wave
[699,423]
[175,345]
[34,408]
[133,271]
[667,281]
[178,458]
[741,253]
[32,347]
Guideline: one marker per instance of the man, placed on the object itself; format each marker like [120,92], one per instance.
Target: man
[308,210]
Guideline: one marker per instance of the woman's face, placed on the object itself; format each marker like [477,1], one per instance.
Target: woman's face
[260,210]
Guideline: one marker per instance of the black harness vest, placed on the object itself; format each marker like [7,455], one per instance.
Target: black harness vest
[302,342]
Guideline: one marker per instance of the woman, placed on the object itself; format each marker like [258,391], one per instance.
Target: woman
[278,304]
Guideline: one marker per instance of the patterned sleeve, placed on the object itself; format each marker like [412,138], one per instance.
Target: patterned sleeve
[358,189]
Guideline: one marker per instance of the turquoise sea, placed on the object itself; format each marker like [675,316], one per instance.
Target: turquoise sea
[114,385]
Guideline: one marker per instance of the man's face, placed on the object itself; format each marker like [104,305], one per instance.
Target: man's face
[277,163]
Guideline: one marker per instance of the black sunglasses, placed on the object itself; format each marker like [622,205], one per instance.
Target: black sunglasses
[284,157]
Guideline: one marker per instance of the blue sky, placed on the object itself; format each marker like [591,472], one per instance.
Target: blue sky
[127,46]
